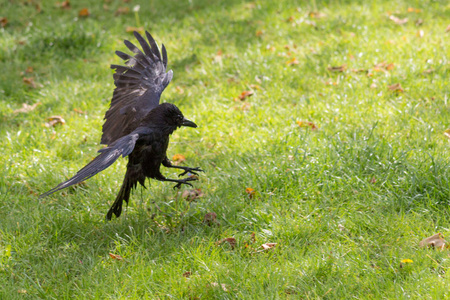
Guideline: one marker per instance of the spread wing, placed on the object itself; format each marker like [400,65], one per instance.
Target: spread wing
[139,85]
[121,147]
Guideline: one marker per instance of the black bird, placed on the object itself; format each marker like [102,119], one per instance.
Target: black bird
[136,124]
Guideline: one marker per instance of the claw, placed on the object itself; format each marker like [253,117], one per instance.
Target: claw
[184,181]
[191,170]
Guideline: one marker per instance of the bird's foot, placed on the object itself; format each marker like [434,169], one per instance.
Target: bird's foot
[190,170]
[184,181]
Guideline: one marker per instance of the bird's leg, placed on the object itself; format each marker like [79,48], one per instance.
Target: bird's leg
[178,181]
[166,163]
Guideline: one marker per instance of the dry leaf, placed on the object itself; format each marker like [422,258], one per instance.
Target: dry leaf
[84,12]
[307,124]
[179,158]
[396,88]
[230,240]
[63,5]
[77,110]
[29,70]
[3,21]
[245,94]
[373,180]
[179,89]
[26,108]
[115,256]
[419,22]
[359,70]
[317,15]
[122,11]
[290,19]
[292,62]
[397,20]
[22,291]
[259,33]
[447,29]
[250,192]
[187,274]
[55,120]
[267,246]
[133,29]
[210,218]
[223,286]
[192,194]
[434,241]
[338,68]
[447,133]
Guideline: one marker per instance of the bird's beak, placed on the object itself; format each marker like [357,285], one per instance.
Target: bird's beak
[188,123]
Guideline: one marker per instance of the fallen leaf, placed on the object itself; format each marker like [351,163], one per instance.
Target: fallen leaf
[307,124]
[22,291]
[396,88]
[267,246]
[84,12]
[55,120]
[292,62]
[115,256]
[245,94]
[290,19]
[63,5]
[3,21]
[250,192]
[317,15]
[179,158]
[133,29]
[434,241]
[29,70]
[192,194]
[122,11]
[26,108]
[419,22]
[359,70]
[210,218]
[187,274]
[373,180]
[447,29]
[179,89]
[397,20]
[447,133]
[230,240]
[77,110]
[259,33]
[223,286]
[383,66]
[338,68]
[30,82]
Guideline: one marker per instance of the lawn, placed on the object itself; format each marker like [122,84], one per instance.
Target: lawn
[337,152]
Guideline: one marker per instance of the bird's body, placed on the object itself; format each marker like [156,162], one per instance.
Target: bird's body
[136,124]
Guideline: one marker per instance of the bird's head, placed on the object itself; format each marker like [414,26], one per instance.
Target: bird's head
[168,114]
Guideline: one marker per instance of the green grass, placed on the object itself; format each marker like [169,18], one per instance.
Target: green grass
[344,203]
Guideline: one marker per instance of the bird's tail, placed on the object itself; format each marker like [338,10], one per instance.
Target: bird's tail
[124,194]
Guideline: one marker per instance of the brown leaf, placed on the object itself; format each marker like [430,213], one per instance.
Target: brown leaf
[338,68]
[122,11]
[317,15]
[55,120]
[132,29]
[77,110]
[29,70]
[397,87]
[250,192]
[84,12]
[63,5]
[179,89]
[447,133]
[187,274]
[30,82]
[307,124]
[434,241]
[210,218]
[179,158]
[259,33]
[373,180]
[292,62]
[268,246]
[447,29]
[230,240]
[115,256]
[245,94]
[192,194]
[3,21]
[397,20]
[26,108]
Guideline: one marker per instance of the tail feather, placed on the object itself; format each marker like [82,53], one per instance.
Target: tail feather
[124,194]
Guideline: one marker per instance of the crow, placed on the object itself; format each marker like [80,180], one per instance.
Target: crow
[137,125]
